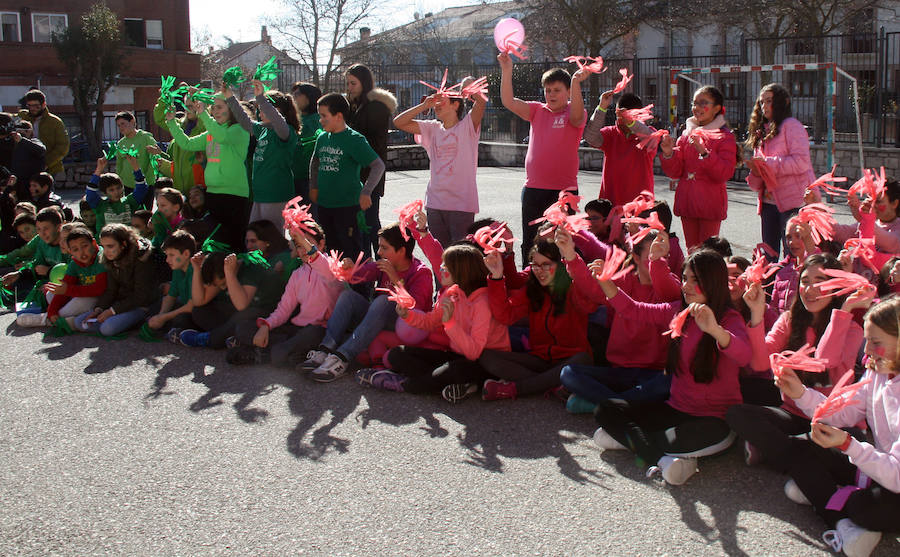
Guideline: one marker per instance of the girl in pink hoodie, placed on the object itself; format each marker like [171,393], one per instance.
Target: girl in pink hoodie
[705,357]
[782,144]
[825,322]
[463,312]
[854,485]
[280,338]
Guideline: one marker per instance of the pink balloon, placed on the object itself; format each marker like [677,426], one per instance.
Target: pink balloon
[508,29]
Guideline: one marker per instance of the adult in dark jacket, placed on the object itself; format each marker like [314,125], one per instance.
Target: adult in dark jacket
[371,112]
[23,156]
[131,283]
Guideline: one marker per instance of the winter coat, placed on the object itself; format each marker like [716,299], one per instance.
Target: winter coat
[787,155]
[372,119]
[131,280]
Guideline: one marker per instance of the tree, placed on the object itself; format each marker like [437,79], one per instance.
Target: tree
[92,50]
[317,28]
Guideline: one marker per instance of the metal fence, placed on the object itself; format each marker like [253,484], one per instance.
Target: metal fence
[874,59]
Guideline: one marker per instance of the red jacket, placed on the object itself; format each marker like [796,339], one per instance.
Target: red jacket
[701,192]
[552,337]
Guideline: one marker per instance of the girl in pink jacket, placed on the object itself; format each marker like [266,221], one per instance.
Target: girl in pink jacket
[280,338]
[705,357]
[702,161]
[855,485]
[463,312]
[825,322]
[782,144]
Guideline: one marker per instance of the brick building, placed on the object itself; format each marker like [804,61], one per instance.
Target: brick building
[158,38]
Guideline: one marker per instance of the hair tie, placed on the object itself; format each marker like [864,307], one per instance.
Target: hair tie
[723,109]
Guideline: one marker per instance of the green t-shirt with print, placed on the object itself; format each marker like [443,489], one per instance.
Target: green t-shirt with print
[180,286]
[107,212]
[139,141]
[273,174]
[342,156]
[86,275]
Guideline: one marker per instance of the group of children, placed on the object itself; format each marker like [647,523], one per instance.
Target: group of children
[716,342]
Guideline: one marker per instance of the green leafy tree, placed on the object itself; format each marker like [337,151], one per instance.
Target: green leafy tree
[92,51]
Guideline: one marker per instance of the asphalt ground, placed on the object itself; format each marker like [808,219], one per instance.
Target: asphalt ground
[130,448]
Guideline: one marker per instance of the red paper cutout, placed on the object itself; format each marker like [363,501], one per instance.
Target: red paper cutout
[677,323]
[407,216]
[841,396]
[623,83]
[397,293]
[800,360]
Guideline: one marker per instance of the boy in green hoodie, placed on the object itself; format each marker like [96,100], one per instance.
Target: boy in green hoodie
[116,206]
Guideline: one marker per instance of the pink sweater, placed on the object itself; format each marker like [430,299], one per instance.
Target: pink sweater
[787,155]
[471,329]
[686,395]
[701,192]
[839,345]
[417,280]
[878,403]
[314,289]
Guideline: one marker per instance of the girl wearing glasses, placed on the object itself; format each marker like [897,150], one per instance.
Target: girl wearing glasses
[782,144]
[556,302]
[702,160]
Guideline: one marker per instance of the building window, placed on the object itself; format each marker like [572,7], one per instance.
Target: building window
[154,31]
[44,25]
[731,87]
[803,84]
[134,33]
[9,27]
[650,88]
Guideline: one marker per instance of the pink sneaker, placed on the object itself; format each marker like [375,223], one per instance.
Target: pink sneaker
[496,390]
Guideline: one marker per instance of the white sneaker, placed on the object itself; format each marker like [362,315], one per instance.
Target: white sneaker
[792,491]
[32,320]
[314,358]
[607,442]
[676,470]
[852,539]
[332,368]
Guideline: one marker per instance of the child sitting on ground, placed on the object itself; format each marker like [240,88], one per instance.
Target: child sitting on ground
[46,253]
[42,194]
[176,306]
[131,283]
[167,217]
[84,281]
[140,221]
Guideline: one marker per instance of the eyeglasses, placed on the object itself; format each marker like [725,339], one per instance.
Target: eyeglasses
[33,105]
[545,267]
[703,103]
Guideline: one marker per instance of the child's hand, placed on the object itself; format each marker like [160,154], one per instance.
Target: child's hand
[505,61]
[197,260]
[698,145]
[429,102]
[55,289]
[789,383]
[52,319]
[198,107]
[346,263]
[231,265]
[421,221]
[157,321]
[494,263]
[102,163]
[104,315]
[751,165]
[580,76]
[170,115]
[153,149]
[10,278]
[385,266]
[261,338]
[564,242]
[447,307]
[861,299]
[606,99]
[258,87]
[853,200]
[827,436]
[41,270]
[811,196]
[402,312]
[314,195]
[365,202]
[846,260]
[660,246]
[704,317]
[667,145]
[133,162]
[755,298]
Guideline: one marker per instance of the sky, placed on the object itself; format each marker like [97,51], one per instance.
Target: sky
[231,18]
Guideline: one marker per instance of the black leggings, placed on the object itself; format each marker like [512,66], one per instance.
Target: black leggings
[428,370]
[284,341]
[655,429]
[769,429]
[819,473]
[232,213]
[530,373]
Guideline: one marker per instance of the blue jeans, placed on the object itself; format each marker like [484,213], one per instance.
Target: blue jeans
[598,384]
[114,324]
[773,223]
[367,319]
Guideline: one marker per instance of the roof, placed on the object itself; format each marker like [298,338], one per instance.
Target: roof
[461,22]
[236,50]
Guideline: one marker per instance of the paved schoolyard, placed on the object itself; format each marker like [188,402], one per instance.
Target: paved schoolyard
[128,448]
